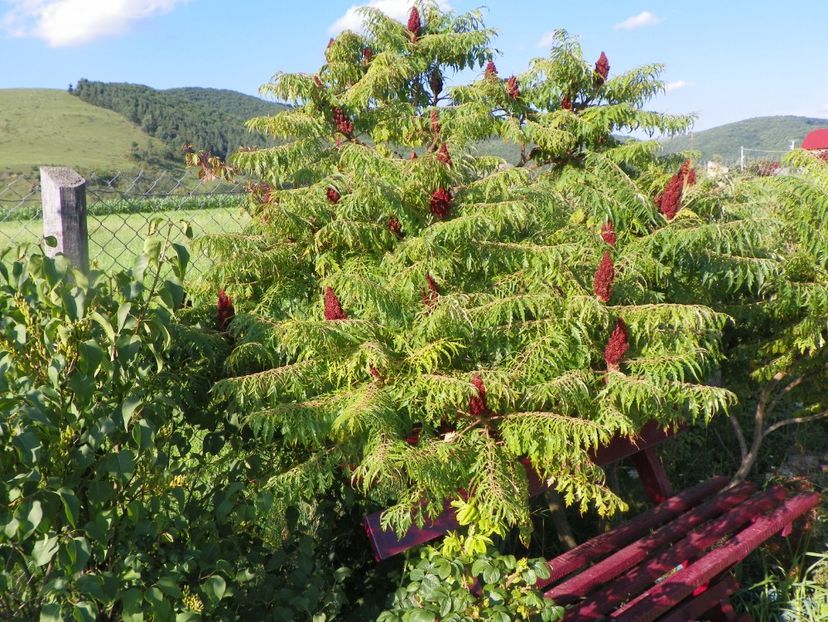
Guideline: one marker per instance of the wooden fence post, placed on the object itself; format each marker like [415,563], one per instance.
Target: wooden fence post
[63,195]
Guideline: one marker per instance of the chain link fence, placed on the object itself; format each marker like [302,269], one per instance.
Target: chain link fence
[121,209]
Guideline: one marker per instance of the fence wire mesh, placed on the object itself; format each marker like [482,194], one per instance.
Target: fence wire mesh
[121,208]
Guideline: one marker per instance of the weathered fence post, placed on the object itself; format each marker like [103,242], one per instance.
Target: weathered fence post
[63,195]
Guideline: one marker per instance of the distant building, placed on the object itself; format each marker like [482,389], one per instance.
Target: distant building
[817,141]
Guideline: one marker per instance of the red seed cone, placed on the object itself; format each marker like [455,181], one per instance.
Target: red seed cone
[512,87]
[318,81]
[224,310]
[602,282]
[608,233]
[441,202]
[395,227]
[669,201]
[375,374]
[617,346]
[602,68]
[491,70]
[332,195]
[432,293]
[413,155]
[414,25]
[566,103]
[333,308]
[342,122]
[443,155]
[367,55]
[435,122]
[688,173]
[477,403]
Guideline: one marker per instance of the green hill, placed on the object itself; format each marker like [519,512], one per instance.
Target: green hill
[211,119]
[760,133]
[50,127]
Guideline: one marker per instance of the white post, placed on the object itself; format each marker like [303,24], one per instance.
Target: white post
[63,196]
[742,159]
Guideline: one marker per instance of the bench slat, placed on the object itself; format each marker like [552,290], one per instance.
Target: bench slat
[662,597]
[604,544]
[685,552]
[385,543]
[704,602]
[633,554]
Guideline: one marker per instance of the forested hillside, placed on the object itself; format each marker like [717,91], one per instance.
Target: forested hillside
[761,133]
[209,119]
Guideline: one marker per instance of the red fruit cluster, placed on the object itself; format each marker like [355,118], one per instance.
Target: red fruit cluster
[617,346]
[687,171]
[394,226]
[604,276]
[608,233]
[443,155]
[414,25]
[512,87]
[435,122]
[432,293]
[669,199]
[441,202]
[367,55]
[333,195]
[342,122]
[491,70]
[477,403]
[602,68]
[333,308]
[224,310]
[566,103]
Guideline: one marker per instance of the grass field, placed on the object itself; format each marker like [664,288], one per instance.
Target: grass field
[50,127]
[116,239]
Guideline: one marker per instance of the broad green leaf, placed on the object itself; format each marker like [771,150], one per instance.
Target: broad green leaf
[123,314]
[51,612]
[214,586]
[128,408]
[44,550]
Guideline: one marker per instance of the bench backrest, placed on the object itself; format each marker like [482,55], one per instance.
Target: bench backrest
[641,449]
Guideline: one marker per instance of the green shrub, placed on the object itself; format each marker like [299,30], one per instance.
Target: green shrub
[104,513]
[455,586]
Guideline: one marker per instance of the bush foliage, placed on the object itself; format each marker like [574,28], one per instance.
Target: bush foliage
[425,317]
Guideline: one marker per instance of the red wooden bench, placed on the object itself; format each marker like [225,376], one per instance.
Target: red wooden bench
[671,563]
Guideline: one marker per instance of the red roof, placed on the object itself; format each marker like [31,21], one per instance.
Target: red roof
[818,139]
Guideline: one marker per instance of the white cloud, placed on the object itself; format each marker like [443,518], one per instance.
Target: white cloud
[547,39]
[395,9]
[645,18]
[678,84]
[74,22]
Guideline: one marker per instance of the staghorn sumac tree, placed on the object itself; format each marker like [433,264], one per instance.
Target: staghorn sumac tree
[442,318]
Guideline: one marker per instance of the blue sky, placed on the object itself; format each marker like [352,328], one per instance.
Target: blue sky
[726,60]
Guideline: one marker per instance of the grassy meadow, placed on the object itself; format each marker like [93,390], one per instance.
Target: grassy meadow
[116,239]
[50,127]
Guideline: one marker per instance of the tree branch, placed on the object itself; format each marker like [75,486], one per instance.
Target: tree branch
[788,388]
[779,424]
[740,435]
